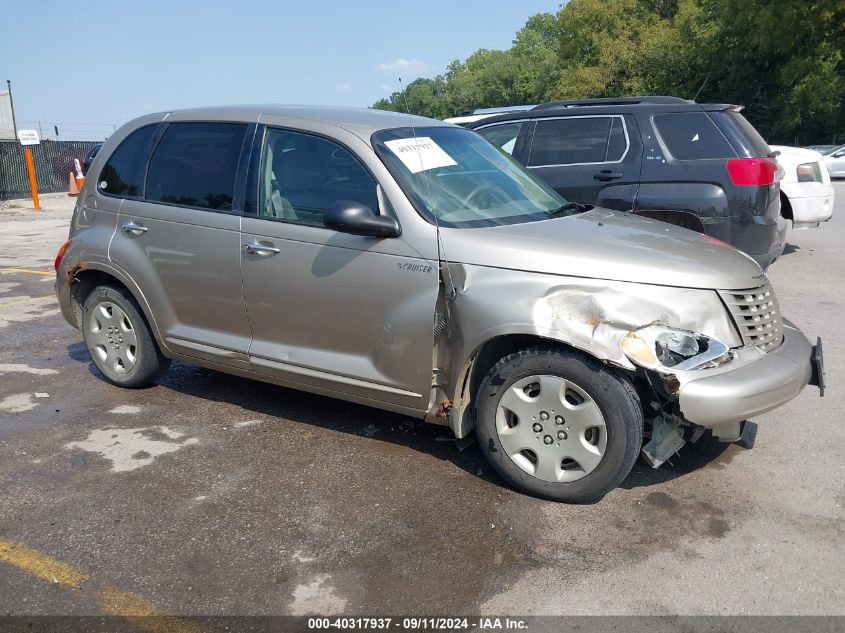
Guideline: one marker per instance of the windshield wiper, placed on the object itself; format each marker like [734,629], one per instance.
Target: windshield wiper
[570,206]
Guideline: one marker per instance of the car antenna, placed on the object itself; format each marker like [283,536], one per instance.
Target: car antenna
[440,246]
[701,87]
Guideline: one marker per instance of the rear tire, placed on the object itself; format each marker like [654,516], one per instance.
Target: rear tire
[119,340]
[558,424]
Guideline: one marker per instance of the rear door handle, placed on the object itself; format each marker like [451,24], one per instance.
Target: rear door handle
[606,174]
[260,249]
[135,229]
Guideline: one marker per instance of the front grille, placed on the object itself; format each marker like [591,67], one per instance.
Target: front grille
[757,316]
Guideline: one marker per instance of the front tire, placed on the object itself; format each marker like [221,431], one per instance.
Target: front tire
[119,340]
[558,424]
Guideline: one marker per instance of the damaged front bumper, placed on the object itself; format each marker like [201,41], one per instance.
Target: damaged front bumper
[722,399]
[752,388]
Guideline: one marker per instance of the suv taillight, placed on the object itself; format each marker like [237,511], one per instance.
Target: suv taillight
[752,171]
[60,254]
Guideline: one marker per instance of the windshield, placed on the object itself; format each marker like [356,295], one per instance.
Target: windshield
[457,175]
[832,150]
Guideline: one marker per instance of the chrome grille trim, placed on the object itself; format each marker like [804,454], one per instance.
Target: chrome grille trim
[756,315]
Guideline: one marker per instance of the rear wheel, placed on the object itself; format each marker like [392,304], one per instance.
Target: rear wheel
[558,424]
[118,339]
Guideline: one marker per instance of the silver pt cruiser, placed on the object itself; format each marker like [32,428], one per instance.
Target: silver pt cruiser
[409,265]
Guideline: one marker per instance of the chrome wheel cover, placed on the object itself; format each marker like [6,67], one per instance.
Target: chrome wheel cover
[111,338]
[551,428]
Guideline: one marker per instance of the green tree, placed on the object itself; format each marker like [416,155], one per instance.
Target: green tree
[525,73]
[611,48]
[422,96]
[784,60]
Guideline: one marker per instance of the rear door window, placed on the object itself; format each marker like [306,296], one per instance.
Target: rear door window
[123,173]
[503,136]
[692,136]
[578,141]
[195,164]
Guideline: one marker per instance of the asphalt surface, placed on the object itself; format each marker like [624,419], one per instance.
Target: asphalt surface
[209,494]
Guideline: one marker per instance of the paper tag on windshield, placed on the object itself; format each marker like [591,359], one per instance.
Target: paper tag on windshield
[420,153]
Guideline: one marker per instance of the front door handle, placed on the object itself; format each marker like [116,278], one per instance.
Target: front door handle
[605,175]
[260,249]
[135,229]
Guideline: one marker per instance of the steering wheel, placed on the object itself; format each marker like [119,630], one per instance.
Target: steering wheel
[483,197]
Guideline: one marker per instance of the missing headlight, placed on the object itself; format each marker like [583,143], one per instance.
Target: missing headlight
[668,350]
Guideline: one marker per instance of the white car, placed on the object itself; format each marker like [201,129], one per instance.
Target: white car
[471,116]
[835,161]
[806,192]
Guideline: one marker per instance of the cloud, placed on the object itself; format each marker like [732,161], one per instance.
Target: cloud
[388,88]
[344,87]
[402,65]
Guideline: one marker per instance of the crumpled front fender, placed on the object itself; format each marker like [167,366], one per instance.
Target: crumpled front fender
[588,314]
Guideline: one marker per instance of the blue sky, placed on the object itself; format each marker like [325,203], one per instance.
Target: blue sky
[87,65]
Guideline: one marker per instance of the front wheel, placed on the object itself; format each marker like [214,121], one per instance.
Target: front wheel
[558,424]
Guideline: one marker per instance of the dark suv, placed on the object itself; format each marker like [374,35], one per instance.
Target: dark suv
[700,166]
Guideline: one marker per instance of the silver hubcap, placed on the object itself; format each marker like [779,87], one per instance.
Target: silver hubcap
[112,337]
[551,428]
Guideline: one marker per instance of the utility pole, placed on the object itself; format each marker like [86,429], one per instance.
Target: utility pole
[12,104]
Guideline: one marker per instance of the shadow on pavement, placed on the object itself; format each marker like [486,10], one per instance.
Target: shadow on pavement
[384,426]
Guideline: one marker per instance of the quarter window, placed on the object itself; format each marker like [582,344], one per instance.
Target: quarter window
[194,165]
[123,174]
[301,175]
[691,136]
[576,140]
[502,136]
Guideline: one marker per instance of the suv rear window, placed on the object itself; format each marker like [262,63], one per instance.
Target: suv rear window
[123,174]
[742,134]
[576,140]
[195,165]
[692,136]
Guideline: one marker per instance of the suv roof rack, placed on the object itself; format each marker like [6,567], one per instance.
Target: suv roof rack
[612,101]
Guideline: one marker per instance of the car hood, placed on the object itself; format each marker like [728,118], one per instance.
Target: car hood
[797,154]
[604,244]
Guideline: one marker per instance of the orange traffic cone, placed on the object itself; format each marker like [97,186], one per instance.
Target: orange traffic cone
[73,188]
[80,177]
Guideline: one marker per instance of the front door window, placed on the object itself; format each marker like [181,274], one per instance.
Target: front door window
[301,175]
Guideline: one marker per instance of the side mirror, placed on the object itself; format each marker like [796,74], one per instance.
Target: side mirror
[839,154]
[352,217]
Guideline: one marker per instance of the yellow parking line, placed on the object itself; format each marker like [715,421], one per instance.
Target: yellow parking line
[27,300]
[40,565]
[135,609]
[27,270]
[141,612]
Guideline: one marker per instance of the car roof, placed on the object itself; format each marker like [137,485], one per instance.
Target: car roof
[469,118]
[361,121]
[499,109]
[605,106]
[803,153]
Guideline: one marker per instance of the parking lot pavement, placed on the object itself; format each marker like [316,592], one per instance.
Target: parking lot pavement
[209,494]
